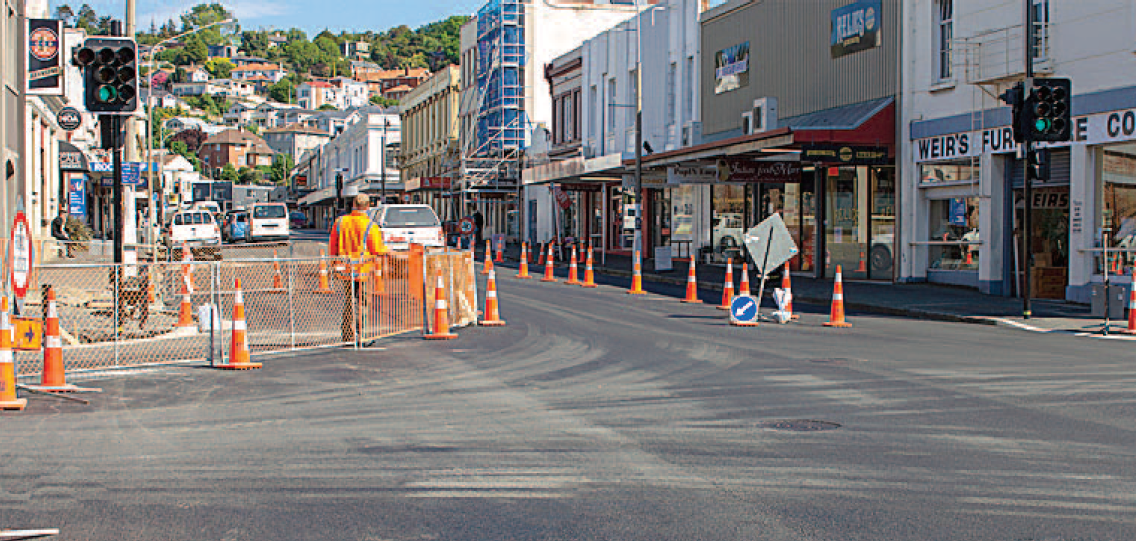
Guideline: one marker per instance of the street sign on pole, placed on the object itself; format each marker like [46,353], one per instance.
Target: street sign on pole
[770,244]
[743,309]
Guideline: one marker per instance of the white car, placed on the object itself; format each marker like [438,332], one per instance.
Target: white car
[403,225]
[195,229]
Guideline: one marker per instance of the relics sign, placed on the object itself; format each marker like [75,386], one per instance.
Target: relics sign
[731,68]
[45,64]
[855,28]
[845,154]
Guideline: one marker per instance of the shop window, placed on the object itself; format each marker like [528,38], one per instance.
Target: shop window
[727,222]
[955,236]
[948,172]
[1118,208]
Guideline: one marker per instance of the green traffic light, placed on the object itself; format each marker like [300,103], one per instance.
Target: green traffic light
[106,94]
[1042,124]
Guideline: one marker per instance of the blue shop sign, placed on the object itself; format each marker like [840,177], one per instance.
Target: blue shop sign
[855,28]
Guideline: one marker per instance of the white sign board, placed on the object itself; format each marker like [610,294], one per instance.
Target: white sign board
[770,244]
[663,259]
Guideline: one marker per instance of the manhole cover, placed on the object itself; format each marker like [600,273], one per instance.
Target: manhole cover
[798,425]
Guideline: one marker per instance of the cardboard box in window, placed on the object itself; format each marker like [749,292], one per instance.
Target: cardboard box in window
[1048,283]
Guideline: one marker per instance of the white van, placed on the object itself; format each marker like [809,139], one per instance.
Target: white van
[403,225]
[268,221]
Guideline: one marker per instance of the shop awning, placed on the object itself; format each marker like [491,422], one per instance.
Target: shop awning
[866,123]
[574,169]
[71,158]
[317,197]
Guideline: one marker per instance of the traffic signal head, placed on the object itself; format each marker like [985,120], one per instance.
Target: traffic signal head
[1013,97]
[1037,161]
[1048,110]
[110,75]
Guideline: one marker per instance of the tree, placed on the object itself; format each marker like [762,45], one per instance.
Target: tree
[302,55]
[203,14]
[194,52]
[228,172]
[219,68]
[253,129]
[65,13]
[283,91]
[191,139]
[281,170]
[254,43]
[385,102]
[248,175]
[327,107]
[180,75]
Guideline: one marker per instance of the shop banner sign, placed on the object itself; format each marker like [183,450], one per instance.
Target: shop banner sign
[731,68]
[770,172]
[580,186]
[679,174]
[855,28]
[1096,129]
[77,194]
[562,198]
[45,61]
[845,154]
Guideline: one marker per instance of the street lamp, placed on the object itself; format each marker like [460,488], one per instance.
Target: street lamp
[150,124]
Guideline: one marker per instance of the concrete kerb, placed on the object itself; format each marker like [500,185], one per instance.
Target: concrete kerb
[914,313]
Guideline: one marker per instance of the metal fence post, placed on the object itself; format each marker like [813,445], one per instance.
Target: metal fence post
[116,283]
[291,306]
[355,307]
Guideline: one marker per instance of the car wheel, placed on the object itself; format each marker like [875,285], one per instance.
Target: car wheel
[881,258]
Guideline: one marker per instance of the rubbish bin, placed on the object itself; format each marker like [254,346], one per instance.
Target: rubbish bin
[1118,301]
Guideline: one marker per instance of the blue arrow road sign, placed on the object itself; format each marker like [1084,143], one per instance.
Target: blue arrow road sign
[743,308]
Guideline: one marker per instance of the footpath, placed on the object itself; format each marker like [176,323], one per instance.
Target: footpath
[916,300]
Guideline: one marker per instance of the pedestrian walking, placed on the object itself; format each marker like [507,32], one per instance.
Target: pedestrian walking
[59,233]
[478,225]
[355,237]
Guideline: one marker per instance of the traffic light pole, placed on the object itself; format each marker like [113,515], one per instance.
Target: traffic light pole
[115,122]
[1027,149]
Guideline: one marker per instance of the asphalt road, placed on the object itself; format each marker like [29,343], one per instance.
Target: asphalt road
[595,415]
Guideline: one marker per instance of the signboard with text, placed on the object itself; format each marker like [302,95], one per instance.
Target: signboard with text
[22,255]
[731,68]
[76,194]
[845,154]
[45,63]
[855,28]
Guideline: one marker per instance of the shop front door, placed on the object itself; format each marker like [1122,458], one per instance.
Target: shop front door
[846,192]
[1049,242]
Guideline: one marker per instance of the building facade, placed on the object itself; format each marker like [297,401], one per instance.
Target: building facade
[236,147]
[429,157]
[962,223]
[294,140]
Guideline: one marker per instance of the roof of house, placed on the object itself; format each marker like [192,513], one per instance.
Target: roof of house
[258,67]
[379,75]
[239,137]
[318,84]
[296,128]
[399,88]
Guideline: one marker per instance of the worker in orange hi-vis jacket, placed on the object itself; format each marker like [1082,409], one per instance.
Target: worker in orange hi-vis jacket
[356,238]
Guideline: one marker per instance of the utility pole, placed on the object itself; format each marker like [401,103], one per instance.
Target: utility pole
[383,162]
[639,131]
[1027,150]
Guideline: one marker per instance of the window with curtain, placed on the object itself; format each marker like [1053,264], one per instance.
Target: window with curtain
[945,28]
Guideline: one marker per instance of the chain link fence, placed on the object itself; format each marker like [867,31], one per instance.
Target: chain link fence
[132,314]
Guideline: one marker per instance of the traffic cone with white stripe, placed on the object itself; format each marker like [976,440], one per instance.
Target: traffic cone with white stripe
[441,326]
[787,285]
[542,253]
[492,314]
[239,356]
[637,277]
[589,273]
[53,379]
[186,266]
[572,270]
[524,272]
[836,318]
[728,289]
[488,259]
[692,286]
[548,274]
[500,257]
[185,311]
[277,278]
[8,400]
[324,283]
[1131,307]
[744,286]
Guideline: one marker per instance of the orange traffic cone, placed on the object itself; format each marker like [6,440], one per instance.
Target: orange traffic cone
[185,311]
[8,400]
[492,315]
[969,260]
[277,278]
[1131,307]
[542,252]
[324,284]
[589,274]
[488,259]
[862,268]
[744,287]
[787,285]
[53,378]
[691,286]
[572,270]
[637,278]
[524,272]
[836,319]
[500,258]
[728,289]
[239,356]
[441,321]
[548,275]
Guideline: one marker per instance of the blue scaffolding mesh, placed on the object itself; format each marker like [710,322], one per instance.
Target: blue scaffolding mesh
[500,75]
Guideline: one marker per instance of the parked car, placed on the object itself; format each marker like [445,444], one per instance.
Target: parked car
[268,222]
[235,227]
[196,229]
[299,219]
[403,225]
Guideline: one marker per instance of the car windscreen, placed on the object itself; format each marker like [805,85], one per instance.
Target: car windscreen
[273,211]
[410,217]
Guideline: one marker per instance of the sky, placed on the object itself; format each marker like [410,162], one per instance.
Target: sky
[312,16]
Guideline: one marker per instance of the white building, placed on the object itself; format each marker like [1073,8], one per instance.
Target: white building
[271,72]
[351,93]
[364,154]
[962,178]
